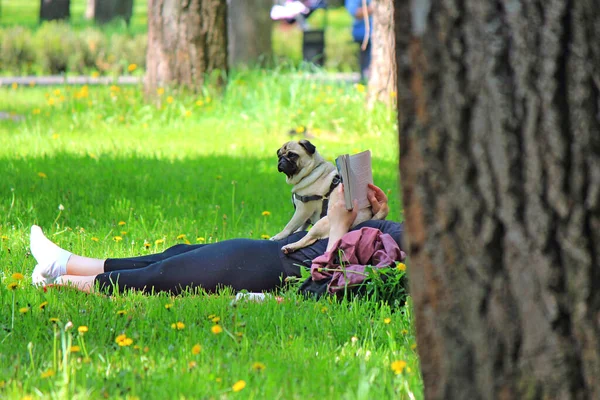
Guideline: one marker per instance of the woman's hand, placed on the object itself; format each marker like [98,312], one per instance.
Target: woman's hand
[340,219]
[376,197]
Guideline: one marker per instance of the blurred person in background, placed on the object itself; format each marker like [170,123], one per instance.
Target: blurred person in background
[361,11]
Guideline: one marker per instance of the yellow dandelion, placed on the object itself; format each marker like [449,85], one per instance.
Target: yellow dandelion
[95,239]
[53,320]
[360,87]
[398,366]
[393,94]
[404,332]
[82,329]
[42,175]
[121,223]
[159,241]
[239,385]
[263,236]
[131,67]
[200,240]
[15,85]
[48,373]
[36,111]
[168,305]
[95,74]
[196,349]
[126,342]
[117,238]
[170,99]
[51,101]
[187,241]
[266,213]
[258,366]
[115,88]
[216,329]
[300,129]
[199,103]
[147,244]
[24,310]
[192,364]
[4,237]
[121,312]
[17,276]
[211,316]
[75,349]
[160,91]
[123,233]
[43,305]
[56,92]
[182,236]
[187,113]
[401,267]
[55,136]
[178,325]
[387,320]
[215,319]
[120,338]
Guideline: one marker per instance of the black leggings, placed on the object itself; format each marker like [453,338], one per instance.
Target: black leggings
[254,265]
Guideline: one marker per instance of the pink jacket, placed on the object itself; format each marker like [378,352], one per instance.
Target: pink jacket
[356,250]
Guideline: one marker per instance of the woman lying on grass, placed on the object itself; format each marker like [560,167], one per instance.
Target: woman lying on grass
[250,264]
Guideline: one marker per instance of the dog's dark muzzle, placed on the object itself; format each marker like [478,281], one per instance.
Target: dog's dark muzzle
[286,166]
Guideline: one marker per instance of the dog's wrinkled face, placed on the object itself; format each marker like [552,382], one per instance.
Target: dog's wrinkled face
[293,156]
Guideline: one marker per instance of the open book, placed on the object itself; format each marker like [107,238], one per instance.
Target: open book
[356,173]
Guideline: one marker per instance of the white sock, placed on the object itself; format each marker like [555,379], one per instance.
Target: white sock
[52,260]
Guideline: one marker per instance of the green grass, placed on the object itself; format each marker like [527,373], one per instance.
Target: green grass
[203,167]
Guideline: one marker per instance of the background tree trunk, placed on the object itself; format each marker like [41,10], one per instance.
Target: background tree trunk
[51,10]
[187,39]
[90,9]
[500,164]
[103,11]
[382,79]
[250,29]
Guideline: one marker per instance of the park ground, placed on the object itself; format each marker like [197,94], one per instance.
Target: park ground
[105,172]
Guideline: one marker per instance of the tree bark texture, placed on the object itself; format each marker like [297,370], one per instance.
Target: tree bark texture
[500,165]
[382,79]
[250,29]
[187,40]
[51,10]
[106,10]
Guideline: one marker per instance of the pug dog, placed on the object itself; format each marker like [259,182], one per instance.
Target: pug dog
[314,182]
[312,178]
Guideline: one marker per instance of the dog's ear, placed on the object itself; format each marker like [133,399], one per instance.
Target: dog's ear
[308,146]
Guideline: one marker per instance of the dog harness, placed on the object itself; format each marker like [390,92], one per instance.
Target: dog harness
[305,199]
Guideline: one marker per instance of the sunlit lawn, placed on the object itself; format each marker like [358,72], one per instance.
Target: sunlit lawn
[132,178]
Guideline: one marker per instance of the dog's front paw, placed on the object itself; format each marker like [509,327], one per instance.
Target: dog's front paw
[279,236]
[287,249]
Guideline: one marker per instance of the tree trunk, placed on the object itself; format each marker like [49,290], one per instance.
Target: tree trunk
[90,9]
[104,11]
[187,39]
[500,164]
[51,10]
[382,79]
[250,28]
